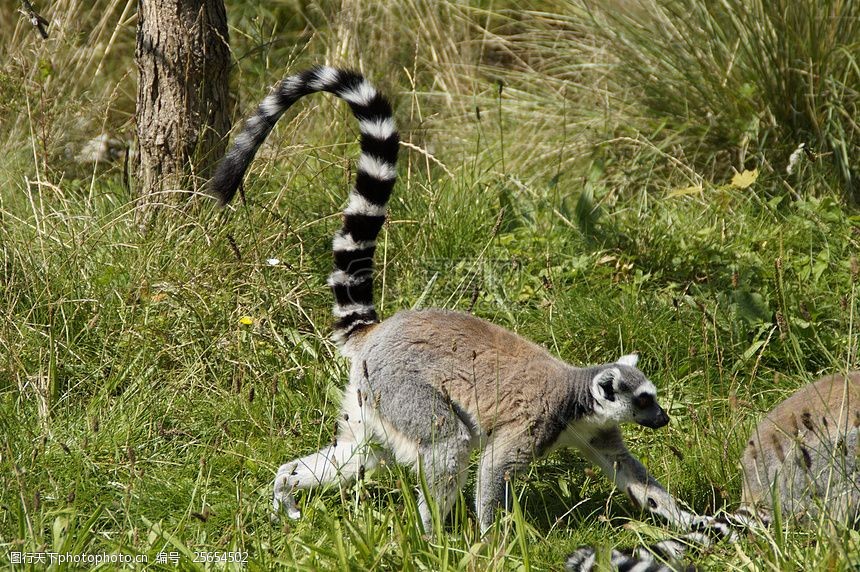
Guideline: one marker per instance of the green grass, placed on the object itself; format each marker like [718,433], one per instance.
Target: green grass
[140,414]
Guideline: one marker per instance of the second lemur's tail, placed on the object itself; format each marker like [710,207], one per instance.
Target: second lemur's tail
[669,555]
[355,243]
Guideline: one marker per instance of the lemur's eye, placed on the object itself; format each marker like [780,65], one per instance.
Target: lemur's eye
[643,401]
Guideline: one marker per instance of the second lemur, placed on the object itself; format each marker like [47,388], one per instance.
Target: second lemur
[800,462]
[432,386]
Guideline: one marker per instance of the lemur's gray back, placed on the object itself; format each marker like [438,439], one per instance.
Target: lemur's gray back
[499,379]
[354,245]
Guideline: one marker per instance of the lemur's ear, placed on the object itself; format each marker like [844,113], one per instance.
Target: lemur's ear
[629,359]
[605,384]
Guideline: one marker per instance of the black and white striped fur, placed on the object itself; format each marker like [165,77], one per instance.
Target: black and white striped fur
[667,555]
[354,245]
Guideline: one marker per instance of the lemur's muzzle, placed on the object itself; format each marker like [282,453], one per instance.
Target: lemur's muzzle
[659,419]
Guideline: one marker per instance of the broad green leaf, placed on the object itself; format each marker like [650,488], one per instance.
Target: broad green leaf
[752,307]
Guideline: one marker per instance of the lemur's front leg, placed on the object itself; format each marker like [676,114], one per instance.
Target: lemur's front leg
[607,449]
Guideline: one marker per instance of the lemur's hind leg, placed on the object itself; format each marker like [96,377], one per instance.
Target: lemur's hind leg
[343,460]
[443,464]
[500,463]
[425,430]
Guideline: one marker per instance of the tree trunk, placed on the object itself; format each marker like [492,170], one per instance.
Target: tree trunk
[183,62]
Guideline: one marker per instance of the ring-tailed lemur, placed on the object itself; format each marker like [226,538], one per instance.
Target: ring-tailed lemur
[431,386]
[802,457]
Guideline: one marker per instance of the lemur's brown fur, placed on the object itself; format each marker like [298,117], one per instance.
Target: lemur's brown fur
[800,448]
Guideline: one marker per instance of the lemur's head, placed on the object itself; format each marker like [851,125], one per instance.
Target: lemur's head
[622,394]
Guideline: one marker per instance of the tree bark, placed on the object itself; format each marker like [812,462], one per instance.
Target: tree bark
[183,61]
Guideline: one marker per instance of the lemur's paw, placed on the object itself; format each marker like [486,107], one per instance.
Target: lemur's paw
[580,560]
[286,504]
[282,497]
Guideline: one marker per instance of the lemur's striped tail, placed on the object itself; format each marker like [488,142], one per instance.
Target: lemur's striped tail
[354,245]
[669,555]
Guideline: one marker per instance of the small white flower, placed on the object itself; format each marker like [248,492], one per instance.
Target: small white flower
[794,158]
[273,261]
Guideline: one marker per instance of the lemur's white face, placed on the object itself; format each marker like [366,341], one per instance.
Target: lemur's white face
[622,394]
